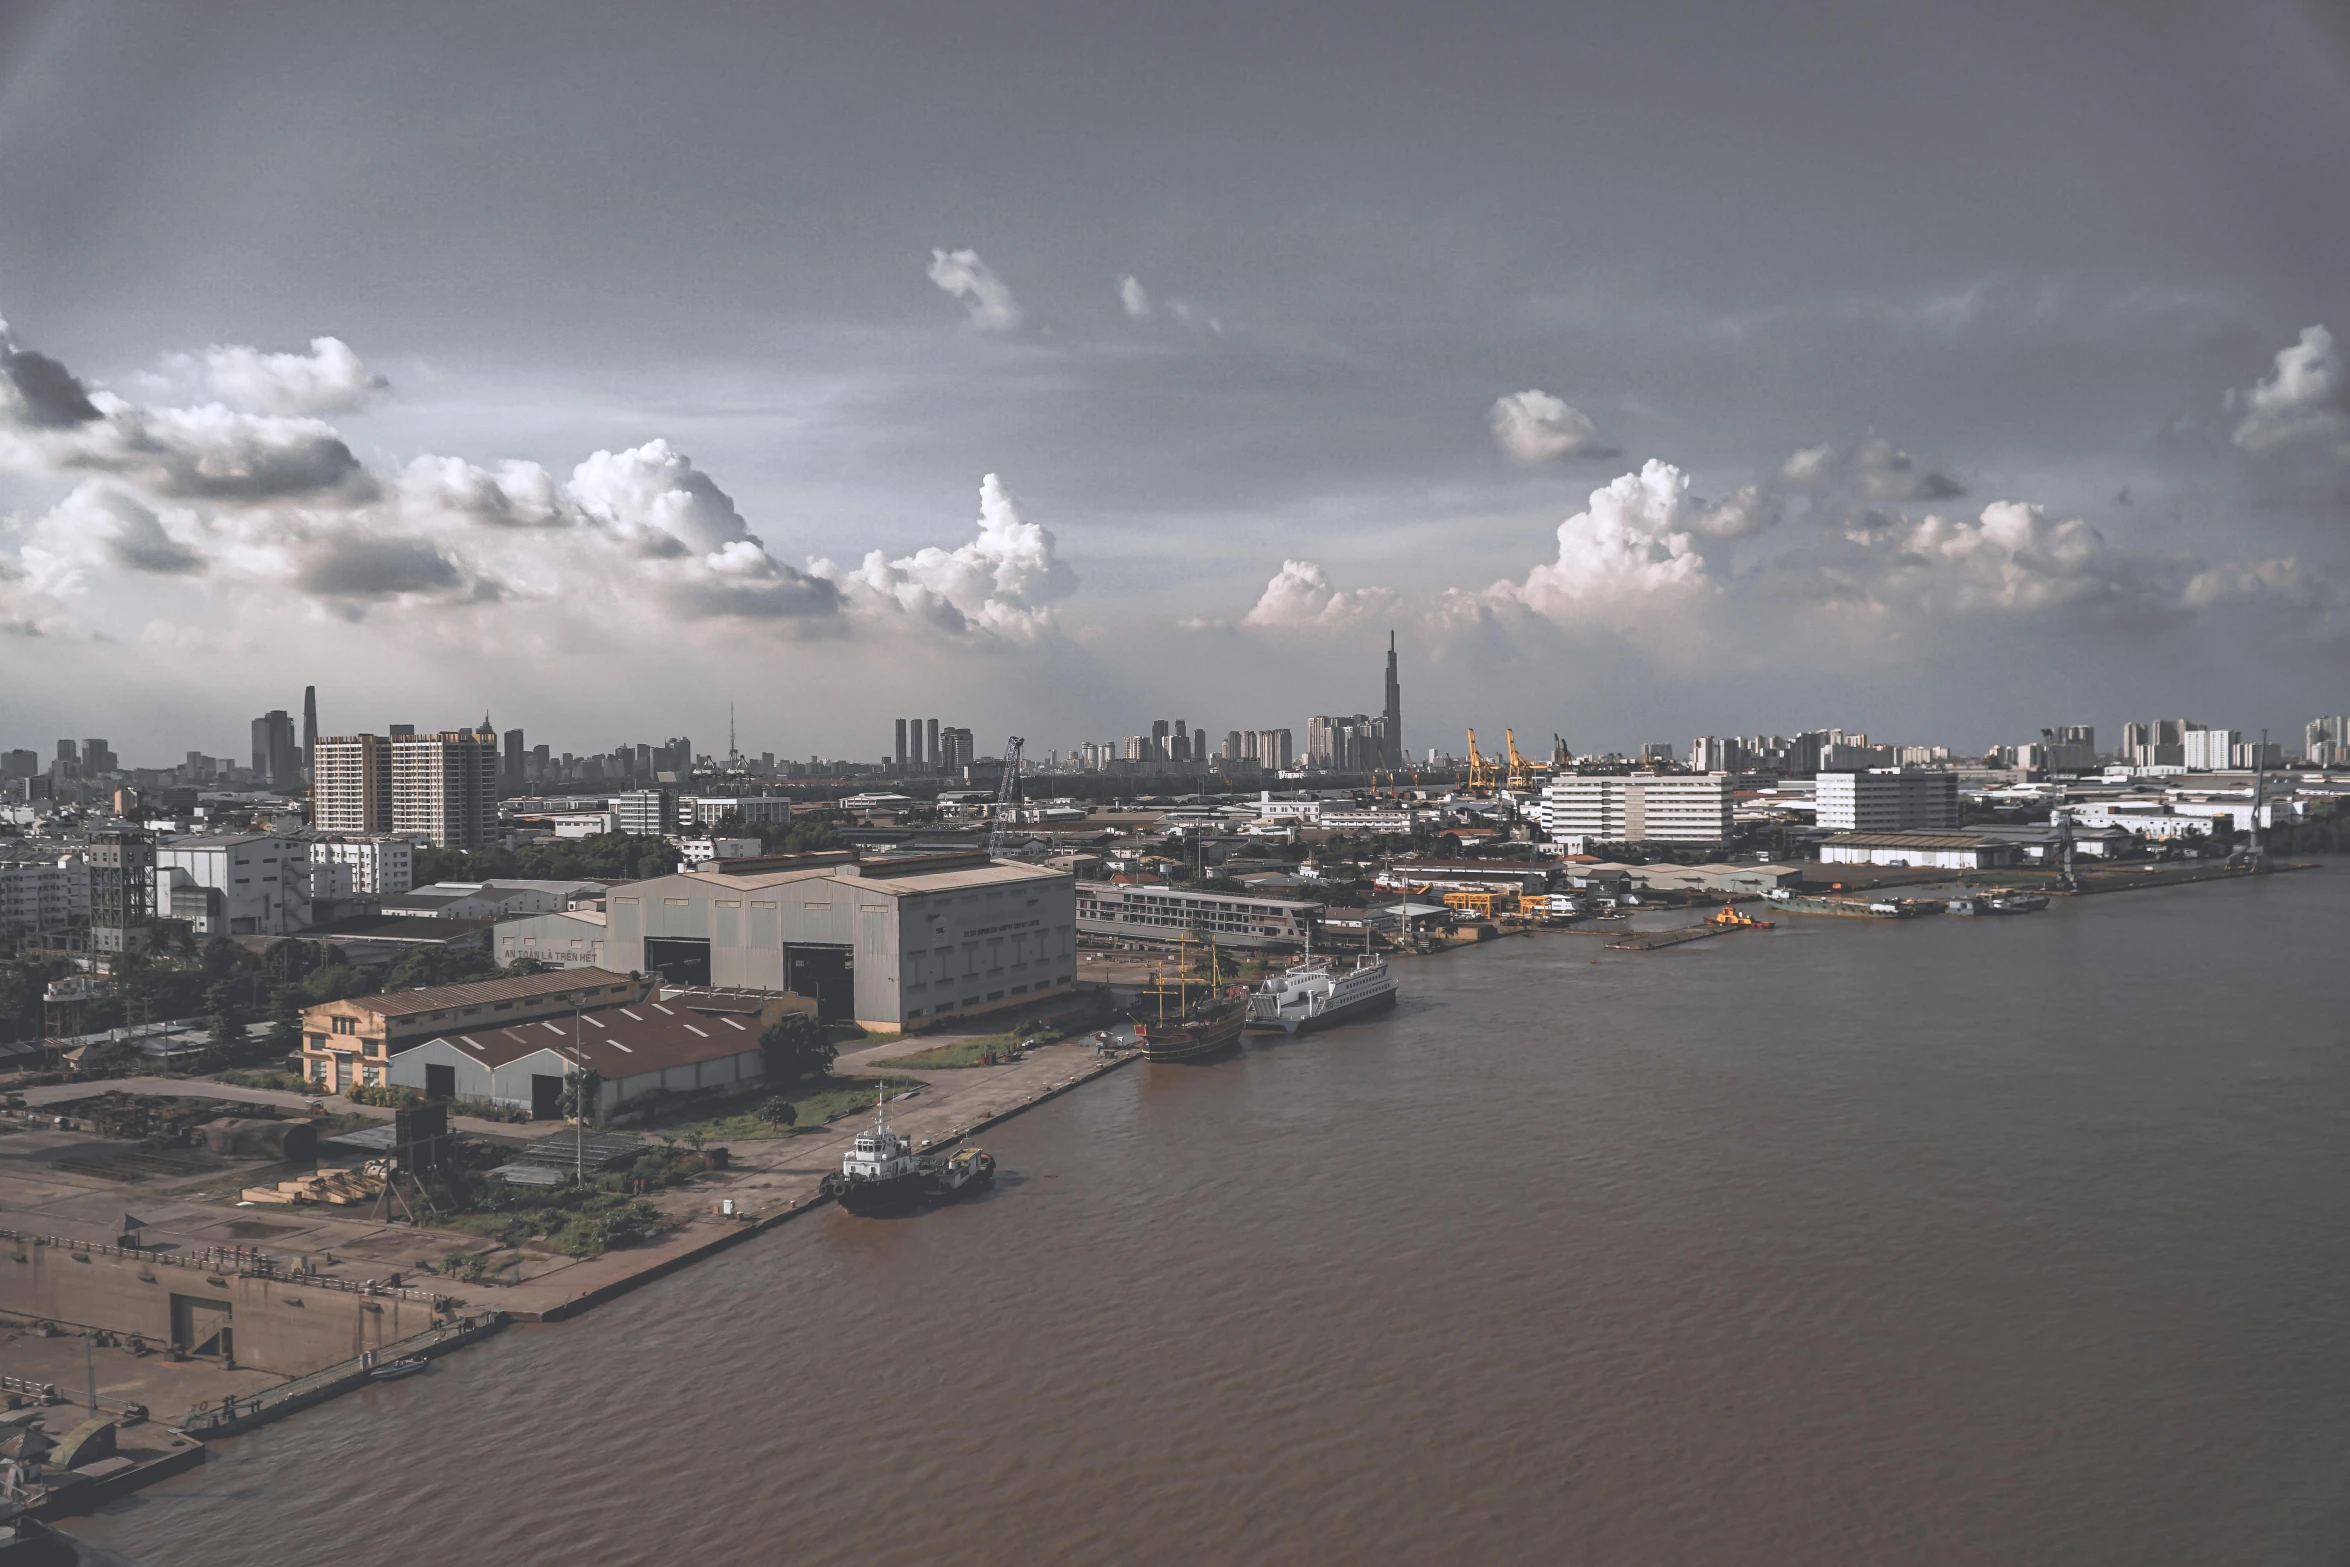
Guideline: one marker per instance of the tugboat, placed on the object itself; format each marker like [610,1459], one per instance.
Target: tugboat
[1200,1030]
[1308,995]
[881,1174]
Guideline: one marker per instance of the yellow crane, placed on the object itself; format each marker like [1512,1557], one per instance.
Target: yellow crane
[1522,773]
[1482,773]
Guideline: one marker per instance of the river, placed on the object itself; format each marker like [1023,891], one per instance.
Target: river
[1983,1241]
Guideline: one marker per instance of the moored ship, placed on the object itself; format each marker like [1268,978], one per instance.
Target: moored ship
[1196,1028]
[1311,994]
[882,1174]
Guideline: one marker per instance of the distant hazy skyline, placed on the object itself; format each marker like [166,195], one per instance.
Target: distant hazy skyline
[1935,371]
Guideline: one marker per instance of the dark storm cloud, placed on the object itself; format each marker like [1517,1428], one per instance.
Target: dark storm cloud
[48,396]
[372,568]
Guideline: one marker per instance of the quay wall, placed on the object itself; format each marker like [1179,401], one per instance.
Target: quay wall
[276,1324]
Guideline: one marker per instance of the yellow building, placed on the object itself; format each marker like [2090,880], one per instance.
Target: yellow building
[351,1041]
[1483,903]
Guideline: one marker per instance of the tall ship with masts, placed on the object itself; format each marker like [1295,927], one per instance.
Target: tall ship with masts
[1189,1022]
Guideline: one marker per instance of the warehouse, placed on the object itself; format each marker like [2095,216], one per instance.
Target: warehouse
[889,941]
[683,1040]
[1948,851]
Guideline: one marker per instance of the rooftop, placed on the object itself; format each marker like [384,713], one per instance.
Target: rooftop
[628,1040]
[556,984]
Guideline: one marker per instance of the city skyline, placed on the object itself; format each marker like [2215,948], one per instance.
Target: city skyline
[972,399]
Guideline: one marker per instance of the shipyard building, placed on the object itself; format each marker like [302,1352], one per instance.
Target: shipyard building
[893,942]
[1123,912]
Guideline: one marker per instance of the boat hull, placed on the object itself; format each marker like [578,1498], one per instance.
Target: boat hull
[1303,1023]
[1190,1040]
[897,1194]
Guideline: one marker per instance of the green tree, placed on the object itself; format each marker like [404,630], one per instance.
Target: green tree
[228,1034]
[778,1112]
[582,1087]
[795,1050]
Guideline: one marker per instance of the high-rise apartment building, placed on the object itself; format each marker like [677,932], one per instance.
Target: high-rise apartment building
[1887,799]
[2210,750]
[351,784]
[1639,809]
[445,787]
[277,761]
[2325,742]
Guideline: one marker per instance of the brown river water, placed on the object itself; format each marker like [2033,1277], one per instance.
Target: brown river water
[1995,1240]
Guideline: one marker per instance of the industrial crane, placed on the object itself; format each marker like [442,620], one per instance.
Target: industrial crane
[1482,773]
[1522,772]
[1007,794]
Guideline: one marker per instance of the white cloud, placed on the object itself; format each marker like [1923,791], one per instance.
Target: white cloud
[1885,474]
[1745,512]
[516,495]
[1301,594]
[1134,296]
[99,529]
[1533,426]
[1003,582]
[2299,406]
[1806,467]
[1631,545]
[2012,559]
[987,297]
[328,379]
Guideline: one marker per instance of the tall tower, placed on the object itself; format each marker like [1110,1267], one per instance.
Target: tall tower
[1395,746]
[309,724]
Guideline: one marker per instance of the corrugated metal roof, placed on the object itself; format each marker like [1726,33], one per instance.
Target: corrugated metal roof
[625,1041]
[589,982]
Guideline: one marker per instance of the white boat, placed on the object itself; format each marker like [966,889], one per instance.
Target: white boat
[1311,994]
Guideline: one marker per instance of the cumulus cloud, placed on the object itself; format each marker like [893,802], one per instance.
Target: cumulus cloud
[1633,543]
[99,528]
[328,379]
[1745,512]
[1533,427]
[2298,415]
[1133,296]
[1301,594]
[1807,467]
[515,495]
[987,297]
[40,393]
[2011,559]
[1003,582]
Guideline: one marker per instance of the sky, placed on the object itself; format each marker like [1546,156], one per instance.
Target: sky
[1649,371]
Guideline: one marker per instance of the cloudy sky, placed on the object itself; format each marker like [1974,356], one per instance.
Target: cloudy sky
[1935,371]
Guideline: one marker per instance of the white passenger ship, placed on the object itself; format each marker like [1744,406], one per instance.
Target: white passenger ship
[1311,994]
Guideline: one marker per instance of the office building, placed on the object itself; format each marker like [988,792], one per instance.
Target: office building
[375,866]
[277,761]
[445,786]
[1887,799]
[98,759]
[1173,914]
[886,942]
[351,784]
[309,726]
[708,810]
[1393,737]
[516,753]
[644,813]
[1639,809]
[44,894]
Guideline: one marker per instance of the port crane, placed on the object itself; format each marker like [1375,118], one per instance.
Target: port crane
[1483,774]
[1523,774]
[1007,795]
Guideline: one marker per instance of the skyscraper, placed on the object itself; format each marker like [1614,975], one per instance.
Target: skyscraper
[351,784]
[309,727]
[515,752]
[275,758]
[1393,738]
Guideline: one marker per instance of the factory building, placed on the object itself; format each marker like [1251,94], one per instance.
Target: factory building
[353,1040]
[674,1042]
[1949,851]
[890,942]
[1887,799]
[260,883]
